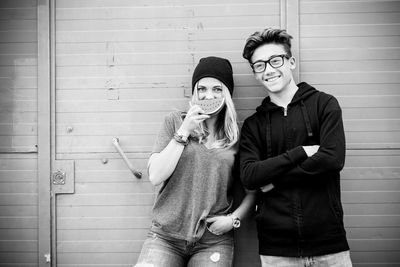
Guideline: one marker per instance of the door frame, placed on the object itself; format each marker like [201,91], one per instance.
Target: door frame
[44,132]
[290,20]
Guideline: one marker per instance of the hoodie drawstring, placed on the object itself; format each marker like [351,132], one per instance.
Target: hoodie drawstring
[269,131]
[306,119]
[269,137]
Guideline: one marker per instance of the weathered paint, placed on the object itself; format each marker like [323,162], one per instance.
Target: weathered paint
[120,66]
[351,50]
[19,188]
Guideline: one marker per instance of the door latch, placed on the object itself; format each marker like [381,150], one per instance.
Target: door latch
[63,177]
[59,177]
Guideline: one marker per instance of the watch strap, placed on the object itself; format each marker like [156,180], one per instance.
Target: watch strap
[181,139]
[235,221]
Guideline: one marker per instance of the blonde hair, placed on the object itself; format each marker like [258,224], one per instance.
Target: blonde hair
[227,129]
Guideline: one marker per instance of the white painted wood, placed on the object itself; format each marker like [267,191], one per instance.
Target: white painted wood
[122,65]
[44,135]
[17,68]
[19,227]
[18,209]
[351,49]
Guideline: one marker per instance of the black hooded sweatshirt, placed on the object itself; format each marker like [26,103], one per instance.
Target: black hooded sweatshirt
[302,215]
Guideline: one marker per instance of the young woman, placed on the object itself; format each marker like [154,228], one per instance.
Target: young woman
[193,161]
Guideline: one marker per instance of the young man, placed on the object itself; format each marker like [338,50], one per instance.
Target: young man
[293,149]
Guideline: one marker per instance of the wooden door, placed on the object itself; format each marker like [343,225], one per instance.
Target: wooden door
[20,232]
[120,67]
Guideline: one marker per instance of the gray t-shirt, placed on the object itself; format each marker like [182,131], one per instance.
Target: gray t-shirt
[198,188]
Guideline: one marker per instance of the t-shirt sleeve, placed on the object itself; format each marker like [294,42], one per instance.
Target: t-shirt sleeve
[166,132]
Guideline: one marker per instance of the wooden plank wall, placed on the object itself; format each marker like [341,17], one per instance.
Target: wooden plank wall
[18,70]
[352,50]
[18,134]
[121,66]
[18,210]
[117,60]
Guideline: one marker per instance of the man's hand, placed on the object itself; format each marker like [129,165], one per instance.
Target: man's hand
[267,188]
[311,150]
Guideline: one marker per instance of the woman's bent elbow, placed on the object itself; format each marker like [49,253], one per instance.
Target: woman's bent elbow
[158,175]
[154,180]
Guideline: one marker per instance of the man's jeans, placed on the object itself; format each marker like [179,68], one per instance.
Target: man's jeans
[341,259]
[210,250]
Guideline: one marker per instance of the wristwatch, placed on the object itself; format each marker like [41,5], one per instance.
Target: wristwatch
[181,139]
[235,221]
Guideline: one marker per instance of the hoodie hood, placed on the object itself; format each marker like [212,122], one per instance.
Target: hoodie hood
[305,90]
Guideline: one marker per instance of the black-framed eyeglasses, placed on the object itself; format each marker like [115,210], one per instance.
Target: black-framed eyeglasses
[275,62]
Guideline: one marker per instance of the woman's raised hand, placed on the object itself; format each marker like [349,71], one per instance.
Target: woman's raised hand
[193,118]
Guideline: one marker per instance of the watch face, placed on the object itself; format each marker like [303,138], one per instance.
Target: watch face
[236,223]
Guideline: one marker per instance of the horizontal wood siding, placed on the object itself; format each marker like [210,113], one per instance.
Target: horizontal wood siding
[18,134]
[18,76]
[106,220]
[121,66]
[371,194]
[18,210]
[351,50]
[359,62]
[128,59]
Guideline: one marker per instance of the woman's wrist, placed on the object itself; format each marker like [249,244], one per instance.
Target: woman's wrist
[183,132]
[235,220]
[181,139]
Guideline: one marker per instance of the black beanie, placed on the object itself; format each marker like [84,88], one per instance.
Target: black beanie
[215,67]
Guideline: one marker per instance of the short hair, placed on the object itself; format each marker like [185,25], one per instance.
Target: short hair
[267,36]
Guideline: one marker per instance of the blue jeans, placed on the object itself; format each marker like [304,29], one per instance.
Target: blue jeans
[163,251]
[341,259]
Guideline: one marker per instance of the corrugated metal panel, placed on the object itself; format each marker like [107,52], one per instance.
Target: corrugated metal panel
[351,50]
[120,67]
